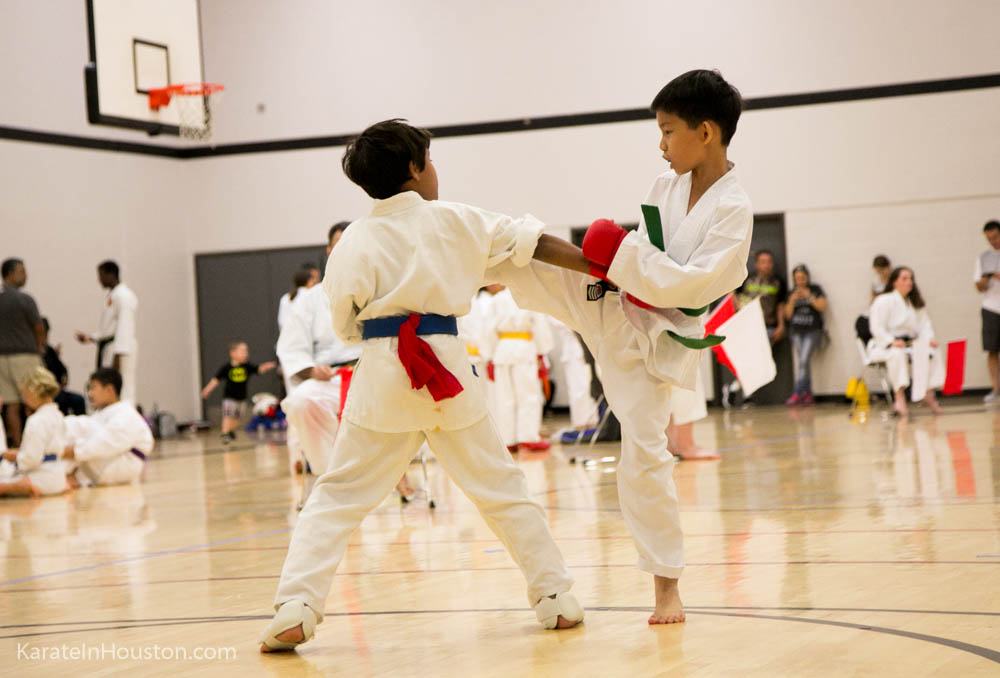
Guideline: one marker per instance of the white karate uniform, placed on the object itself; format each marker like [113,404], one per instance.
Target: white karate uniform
[639,364]
[285,305]
[118,321]
[472,330]
[582,407]
[890,317]
[44,433]
[103,443]
[519,400]
[415,256]
[311,407]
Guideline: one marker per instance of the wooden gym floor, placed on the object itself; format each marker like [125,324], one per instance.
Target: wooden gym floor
[817,546]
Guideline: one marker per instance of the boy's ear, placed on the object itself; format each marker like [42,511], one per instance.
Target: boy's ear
[414,171]
[708,131]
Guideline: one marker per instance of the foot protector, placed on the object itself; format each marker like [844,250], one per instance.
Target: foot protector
[290,615]
[564,605]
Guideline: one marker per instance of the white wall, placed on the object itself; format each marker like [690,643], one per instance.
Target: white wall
[914,177]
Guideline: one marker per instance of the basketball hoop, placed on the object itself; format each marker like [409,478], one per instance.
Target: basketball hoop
[195,102]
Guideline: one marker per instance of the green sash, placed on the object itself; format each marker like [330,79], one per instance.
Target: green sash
[654,229]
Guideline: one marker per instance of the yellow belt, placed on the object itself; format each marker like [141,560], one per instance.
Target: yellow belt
[472,350]
[527,336]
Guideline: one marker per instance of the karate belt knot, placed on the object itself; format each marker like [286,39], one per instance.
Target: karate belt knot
[416,355]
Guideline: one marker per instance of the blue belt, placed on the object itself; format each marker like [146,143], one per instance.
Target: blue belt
[50,457]
[138,454]
[377,328]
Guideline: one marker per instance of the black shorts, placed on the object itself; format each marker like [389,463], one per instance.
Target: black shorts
[991,331]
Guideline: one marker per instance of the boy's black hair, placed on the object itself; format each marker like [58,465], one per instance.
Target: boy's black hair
[759,253]
[340,225]
[881,261]
[700,95]
[9,266]
[108,376]
[378,160]
[108,267]
[991,225]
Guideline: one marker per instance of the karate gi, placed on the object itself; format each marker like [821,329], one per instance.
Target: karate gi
[415,256]
[103,444]
[311,407]
[582,408]
[639,365]
[892,317]
[514,338]
[117,336]
[44,434]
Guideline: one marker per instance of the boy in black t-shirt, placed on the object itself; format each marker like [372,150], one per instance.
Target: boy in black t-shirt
[235,374]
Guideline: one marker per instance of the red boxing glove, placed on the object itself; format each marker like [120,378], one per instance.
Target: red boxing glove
[600,245]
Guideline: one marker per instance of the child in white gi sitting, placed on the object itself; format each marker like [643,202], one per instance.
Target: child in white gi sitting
[38,469]
[396,282]
[109,446]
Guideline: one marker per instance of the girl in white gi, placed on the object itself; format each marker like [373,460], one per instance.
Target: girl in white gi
[514,343]
[643,353]
[110,446]
[902,331]
[117,347]
[38,470]
[396,282]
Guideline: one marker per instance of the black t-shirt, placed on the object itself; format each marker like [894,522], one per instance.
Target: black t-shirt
[772,291]
[54,365]
[805,318]
[236,377]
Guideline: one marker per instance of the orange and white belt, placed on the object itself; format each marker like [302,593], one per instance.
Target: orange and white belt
[526,336]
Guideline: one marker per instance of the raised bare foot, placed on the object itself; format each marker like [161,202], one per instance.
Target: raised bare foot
[669,609]
[292,635]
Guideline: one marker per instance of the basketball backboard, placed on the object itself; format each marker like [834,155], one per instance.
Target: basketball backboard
[135,46]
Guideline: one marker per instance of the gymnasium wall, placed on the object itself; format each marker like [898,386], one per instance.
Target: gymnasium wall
[913,177]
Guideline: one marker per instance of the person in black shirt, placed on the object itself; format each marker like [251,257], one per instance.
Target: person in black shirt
[236,373]
[68,401]
[804,310]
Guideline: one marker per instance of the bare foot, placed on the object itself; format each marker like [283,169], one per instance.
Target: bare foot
[404,488]
[564,623]
[932,403]
[71,481]
[669,609]
[899,406]
[694,453]
[292,635]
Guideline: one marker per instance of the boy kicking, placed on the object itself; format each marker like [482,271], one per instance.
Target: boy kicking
[396,282]
[690,250]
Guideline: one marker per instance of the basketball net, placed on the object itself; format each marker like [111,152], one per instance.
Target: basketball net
[195,104]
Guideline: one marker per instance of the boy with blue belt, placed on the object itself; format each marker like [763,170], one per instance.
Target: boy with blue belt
[690,249]
[396,282]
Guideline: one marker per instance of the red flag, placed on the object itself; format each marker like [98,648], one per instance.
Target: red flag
[954,378]
[721,314]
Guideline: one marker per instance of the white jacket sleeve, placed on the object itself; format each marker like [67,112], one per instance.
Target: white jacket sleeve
[878,321]
[125,330]
[106,440]
[926,330]
[715,268]
[295,343]
[32,450]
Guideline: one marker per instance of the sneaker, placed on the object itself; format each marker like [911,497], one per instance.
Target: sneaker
[807,399]
[991,397]
[794,400]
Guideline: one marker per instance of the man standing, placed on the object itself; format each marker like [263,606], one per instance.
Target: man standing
[116,342]
[21,342]
[987,279]
[771,289]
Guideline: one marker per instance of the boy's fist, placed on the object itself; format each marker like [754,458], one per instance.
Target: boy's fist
[600,245]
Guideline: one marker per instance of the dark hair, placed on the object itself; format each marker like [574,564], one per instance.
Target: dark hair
[992,225]
[758,254]
[108,376]
[914,296]
[378,160]
[45,324]
[9,266]
[804,269]
[299,279]
[339,227]
[701,95]
[108,267]
[881,261]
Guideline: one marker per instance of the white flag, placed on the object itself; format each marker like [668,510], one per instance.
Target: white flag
[748,348]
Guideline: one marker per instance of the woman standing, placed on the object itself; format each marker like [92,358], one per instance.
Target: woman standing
[804,311]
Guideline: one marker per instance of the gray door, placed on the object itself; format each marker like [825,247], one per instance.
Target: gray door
[238,295]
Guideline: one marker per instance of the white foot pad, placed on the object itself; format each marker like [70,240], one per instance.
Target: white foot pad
[564,605]
[290,615]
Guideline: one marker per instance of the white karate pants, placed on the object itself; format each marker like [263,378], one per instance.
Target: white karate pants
[897,364]
[646,489]
[688,406]
[366,465]
[128,362]
[518,402]
[582,408]
[116,470]
[311,409]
